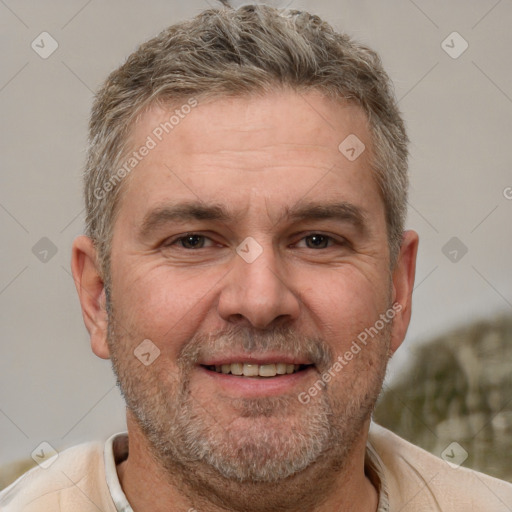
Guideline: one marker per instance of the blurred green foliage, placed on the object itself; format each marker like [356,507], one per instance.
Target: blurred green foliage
[459,388]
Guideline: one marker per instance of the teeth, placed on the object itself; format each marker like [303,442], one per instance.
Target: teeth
[250,370]
[237,368]
[281,368]
[256,370]
[267,370]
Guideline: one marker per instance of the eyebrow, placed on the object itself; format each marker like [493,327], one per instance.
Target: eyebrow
[339,211]
[182,212]
[310,211]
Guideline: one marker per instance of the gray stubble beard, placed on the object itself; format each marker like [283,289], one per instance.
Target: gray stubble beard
[198,453]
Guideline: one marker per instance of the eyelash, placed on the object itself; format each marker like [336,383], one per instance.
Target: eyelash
[331,240]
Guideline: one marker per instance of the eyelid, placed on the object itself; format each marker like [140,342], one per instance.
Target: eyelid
[171,241]
[337,240]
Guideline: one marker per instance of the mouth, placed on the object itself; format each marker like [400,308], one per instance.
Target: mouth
[252,370]
[256,375]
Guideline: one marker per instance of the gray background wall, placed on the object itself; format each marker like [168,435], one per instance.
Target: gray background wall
[458,112]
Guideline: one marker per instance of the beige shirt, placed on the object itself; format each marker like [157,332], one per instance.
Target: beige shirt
[84,479]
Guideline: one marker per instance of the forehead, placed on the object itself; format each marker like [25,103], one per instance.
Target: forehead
[245,122]
[280,147]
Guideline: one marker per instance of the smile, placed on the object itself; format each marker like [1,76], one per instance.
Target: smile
[257,370]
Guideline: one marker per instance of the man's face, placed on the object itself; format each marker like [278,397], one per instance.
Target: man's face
[246,237]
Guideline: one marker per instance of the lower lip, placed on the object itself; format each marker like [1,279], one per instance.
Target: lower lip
[260,386]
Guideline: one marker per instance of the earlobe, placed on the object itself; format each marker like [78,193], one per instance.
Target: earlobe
[91,292]
[403,285]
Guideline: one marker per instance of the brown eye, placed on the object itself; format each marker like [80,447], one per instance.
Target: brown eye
[192,241]
[317,241]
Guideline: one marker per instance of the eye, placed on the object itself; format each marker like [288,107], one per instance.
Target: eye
[317,241]
[191,241]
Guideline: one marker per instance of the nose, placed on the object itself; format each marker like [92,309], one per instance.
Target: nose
[257,293]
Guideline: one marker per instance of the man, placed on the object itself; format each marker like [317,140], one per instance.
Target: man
[247,271]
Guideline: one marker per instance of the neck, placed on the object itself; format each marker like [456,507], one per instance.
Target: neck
[323,487]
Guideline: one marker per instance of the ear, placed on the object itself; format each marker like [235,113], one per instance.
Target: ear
[91,292]
[403,284]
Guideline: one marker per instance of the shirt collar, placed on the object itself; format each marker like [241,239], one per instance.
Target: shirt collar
[374,469]
[116,450]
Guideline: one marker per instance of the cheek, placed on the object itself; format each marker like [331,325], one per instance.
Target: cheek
[162,305]
[345,303]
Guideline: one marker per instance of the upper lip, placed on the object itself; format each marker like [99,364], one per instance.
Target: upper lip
[267,358]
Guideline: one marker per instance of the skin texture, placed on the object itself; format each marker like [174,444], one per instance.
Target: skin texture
[203,440]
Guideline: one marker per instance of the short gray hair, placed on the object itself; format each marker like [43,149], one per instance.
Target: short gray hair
[233,52]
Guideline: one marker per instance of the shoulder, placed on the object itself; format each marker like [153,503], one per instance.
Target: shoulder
[73,480]
[417,480]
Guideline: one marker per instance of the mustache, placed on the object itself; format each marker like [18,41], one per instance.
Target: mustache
[249,340]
